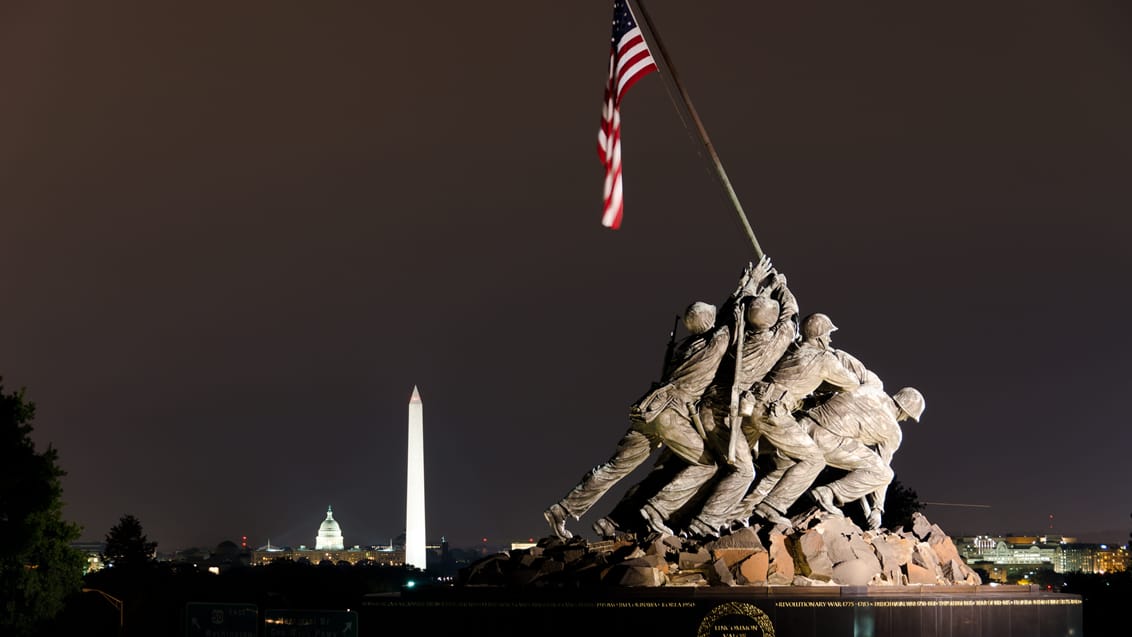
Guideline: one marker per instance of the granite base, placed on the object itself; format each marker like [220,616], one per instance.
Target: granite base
[740,611]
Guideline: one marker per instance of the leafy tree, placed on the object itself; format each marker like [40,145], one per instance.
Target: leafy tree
[127,546]
[38,566]
[900,503]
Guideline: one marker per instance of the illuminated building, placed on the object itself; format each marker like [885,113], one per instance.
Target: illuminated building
[329,534]
[1011,558]
[92,555]
[329,547]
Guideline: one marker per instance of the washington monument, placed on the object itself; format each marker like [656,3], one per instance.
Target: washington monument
[415,499]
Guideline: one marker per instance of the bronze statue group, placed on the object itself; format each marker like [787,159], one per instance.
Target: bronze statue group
[756,383]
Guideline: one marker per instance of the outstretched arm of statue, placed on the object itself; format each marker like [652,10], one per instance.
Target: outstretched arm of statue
[752,277]
[748,286]
[785,298]
[886,450]
[838,375]
[743,280]
[855,365]
[757,277]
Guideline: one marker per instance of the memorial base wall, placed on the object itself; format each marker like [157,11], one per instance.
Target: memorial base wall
[740,611]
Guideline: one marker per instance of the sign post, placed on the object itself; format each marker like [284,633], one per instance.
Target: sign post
[215,619]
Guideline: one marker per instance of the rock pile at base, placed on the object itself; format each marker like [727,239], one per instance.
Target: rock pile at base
[826,551]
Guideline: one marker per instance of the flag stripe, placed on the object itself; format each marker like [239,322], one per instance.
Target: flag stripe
[633,62]
[629,61]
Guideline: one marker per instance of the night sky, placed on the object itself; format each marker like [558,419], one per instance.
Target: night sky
[235,235]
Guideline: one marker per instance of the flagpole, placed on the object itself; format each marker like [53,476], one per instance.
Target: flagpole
[669,71]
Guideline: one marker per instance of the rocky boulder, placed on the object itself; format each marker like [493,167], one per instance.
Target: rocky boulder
[824,550]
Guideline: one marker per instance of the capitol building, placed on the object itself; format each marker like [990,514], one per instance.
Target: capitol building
[329,534]
[329,546]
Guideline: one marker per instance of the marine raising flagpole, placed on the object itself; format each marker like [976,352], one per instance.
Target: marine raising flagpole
[687,112]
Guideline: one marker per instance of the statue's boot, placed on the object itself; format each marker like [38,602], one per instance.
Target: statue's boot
[605,528]
[823,495]
[702,529]
[556,518]
[654,520]
[772,515]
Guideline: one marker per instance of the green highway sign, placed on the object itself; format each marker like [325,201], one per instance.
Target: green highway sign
[310,623]
[209,619]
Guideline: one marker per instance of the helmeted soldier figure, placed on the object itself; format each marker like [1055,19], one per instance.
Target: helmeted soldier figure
[664,414]
[859,431]
[807,366]
[770,319]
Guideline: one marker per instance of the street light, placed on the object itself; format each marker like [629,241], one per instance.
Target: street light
[115,602]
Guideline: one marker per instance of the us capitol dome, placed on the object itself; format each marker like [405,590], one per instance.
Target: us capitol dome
[329,547]
[329,534]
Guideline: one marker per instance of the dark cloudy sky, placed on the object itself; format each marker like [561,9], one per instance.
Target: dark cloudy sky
[234,236]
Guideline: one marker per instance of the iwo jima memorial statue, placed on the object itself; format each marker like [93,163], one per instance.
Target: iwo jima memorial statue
[765,512]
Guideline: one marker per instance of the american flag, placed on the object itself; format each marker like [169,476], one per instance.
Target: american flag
[629,61]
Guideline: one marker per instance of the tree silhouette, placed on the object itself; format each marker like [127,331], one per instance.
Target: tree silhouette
[127,547]
[900,503]
[38,566]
